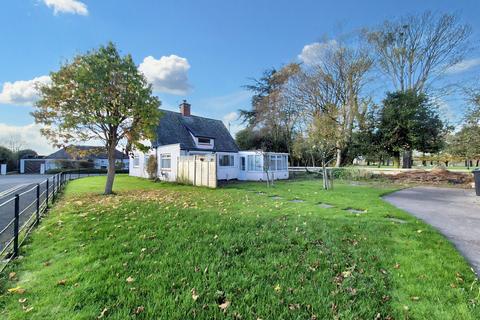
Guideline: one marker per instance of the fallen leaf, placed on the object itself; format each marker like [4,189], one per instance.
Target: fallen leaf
[22,300]
[27,309]
[396,266]
[277,288]
[194,295]
[103,313]
[294,306]
[11,275]
[139,309]
[415,298]
[17,290]
[130,279]
[224,305]
[62,282]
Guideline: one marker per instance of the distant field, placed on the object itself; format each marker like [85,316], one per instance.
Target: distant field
[244,251]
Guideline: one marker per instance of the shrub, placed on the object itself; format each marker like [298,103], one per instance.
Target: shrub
[152,167]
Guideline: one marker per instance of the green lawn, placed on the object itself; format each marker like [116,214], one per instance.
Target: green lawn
[163,251]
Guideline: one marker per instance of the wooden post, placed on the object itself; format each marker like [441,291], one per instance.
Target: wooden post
[38,203]
[16,225]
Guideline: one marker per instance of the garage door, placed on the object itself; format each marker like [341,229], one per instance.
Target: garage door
[33,166]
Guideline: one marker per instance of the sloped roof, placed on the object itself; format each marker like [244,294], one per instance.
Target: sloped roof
[176,128]
[84,153]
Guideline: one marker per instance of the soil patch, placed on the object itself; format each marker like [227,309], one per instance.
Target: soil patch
[434,176]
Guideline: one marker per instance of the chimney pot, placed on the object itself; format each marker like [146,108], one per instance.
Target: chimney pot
[185,108]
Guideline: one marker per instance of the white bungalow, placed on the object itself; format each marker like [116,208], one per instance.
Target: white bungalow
[182,134]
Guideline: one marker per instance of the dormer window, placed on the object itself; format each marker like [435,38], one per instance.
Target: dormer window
[205,141]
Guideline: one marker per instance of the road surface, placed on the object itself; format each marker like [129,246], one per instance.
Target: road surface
[454,212]
[25,186]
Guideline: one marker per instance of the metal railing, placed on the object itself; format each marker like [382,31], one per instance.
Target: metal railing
[20,213]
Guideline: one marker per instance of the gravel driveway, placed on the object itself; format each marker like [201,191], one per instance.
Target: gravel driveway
[454,212]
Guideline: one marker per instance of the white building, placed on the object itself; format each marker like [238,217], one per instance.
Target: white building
[182,134]
[86,157]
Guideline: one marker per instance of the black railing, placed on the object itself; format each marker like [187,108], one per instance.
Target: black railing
[27,208]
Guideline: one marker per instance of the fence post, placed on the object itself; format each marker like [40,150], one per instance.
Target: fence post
[46,201]
[53,189]
[38,203]
[15,225]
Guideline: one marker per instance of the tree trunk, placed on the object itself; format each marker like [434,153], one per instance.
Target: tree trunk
[325,176]
[407,159]
[338,161]
[111,170]
[396,159]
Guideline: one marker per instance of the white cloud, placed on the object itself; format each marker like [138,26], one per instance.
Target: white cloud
[27,136]
[232,123]
[314,52]
[67,6]
[169,74]
[230,117]
[22,92]
[463,66]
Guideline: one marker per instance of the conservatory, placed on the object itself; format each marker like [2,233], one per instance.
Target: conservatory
[254,165]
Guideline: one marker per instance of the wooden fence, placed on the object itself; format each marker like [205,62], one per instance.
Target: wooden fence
[197,170]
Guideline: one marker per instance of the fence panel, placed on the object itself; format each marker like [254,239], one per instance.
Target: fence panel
[23,211]
[197,170]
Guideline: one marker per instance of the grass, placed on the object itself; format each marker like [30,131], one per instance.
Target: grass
[163,251]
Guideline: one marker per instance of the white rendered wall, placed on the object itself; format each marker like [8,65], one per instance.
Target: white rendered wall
[228,173]
[175,152]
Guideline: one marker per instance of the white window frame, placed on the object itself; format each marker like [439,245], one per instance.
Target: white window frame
[231,160]
[136,161]
[209,143]
[165,156]
[255,163]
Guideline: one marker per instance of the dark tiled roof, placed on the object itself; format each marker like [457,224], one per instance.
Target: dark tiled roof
[84,153]
[176,128]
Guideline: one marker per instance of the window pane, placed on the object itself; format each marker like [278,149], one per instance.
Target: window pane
[136,161]
[204,140]
[250,163]
[258,163]
[165,161]
[272,162]
[225,160]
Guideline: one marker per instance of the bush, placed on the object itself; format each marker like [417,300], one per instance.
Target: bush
[152,167]
[352,174]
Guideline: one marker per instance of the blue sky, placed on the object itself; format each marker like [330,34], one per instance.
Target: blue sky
[209,48]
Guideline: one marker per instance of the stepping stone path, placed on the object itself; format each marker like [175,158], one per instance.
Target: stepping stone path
[276,197]
[261,193]
[397,220]
[325,205]
[355,211]
[297,200]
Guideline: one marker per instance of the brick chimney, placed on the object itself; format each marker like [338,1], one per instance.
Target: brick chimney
[185,108]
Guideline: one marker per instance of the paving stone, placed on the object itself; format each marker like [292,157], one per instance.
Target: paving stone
[297,200]
[325,205]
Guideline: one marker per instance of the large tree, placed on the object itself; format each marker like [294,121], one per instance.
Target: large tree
[414,50]
[98,96]
[333,85]
[273,115]
[408,121]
